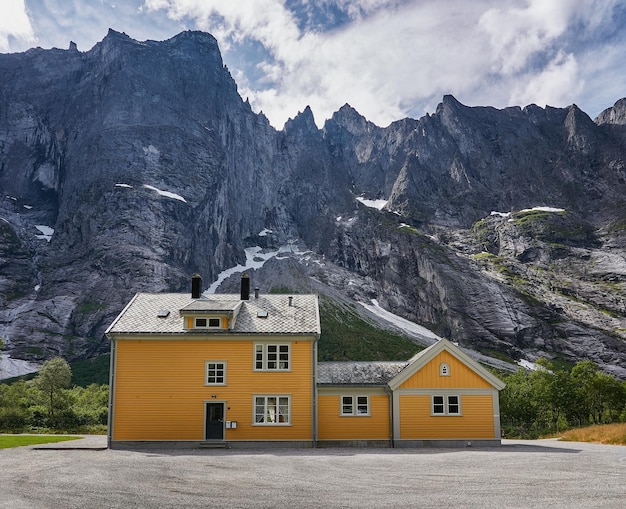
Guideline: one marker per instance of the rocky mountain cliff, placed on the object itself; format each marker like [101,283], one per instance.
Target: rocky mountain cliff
[130,166]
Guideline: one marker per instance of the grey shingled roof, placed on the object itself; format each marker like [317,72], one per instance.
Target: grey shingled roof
[358,373]
[141,314]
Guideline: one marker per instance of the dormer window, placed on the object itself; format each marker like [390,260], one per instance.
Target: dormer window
[207,323]
[209,314]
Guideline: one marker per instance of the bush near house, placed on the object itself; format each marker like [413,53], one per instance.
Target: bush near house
[47,403]
[548,400]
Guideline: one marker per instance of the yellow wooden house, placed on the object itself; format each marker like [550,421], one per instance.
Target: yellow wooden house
[440,397]
[241,371]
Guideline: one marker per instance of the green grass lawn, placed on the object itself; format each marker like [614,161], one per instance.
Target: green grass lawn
[7,441]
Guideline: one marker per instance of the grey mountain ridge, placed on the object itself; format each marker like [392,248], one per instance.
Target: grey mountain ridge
[83,133]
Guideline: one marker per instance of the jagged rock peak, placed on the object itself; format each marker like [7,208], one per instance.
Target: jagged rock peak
[183,39]
[614,115]
[577,116]
[195,36]
[351,120]
[449,102]
[303,121]
[114,35]
[579,128]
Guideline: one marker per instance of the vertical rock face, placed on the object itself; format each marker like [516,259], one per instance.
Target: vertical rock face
[135,164]
[148,166]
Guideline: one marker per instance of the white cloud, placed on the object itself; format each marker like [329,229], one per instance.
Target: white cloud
[14,23]
[554,85]
[397,57]
[387,58]
[54,23]
[381,64]
[265,20]
[517,33]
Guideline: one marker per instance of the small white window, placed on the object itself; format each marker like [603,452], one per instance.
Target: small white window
[355,405]
[444,369]
[446,405]
[454,405]
[272,410]
[272,357]
[215,373]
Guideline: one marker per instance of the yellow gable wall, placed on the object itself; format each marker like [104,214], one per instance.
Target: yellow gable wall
[333,426]
[413,403]
[416,421]
[461,376]
[160,392]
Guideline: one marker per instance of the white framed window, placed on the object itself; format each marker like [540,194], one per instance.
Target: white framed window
[272,357]
[207,323]
[272,410]
[215,373]
[355,405]
[446,405]
[444,369]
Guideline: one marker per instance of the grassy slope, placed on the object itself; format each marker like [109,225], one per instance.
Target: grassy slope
[613,434]
[347,337]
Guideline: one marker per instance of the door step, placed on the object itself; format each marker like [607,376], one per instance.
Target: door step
[213,445]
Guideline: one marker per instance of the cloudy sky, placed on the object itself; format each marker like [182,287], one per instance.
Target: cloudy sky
[389,59]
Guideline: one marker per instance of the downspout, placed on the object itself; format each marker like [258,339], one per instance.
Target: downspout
[111,392]
[314,396]
[496,414]
[391,427]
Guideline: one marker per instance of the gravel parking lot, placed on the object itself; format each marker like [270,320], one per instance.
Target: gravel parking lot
[546,474]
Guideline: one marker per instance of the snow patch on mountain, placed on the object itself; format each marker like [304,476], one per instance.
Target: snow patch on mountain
[167,194]
[422,333]
[543,209]
[255,259]
[374,204]
[46,232]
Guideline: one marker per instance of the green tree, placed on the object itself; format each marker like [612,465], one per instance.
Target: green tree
[543,393]
[608,401]
[15,402]
[91,404]
[2,344]
[583,377]
[54,376]
[516,404]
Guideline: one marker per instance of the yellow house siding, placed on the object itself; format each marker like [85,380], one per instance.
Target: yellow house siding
[461,376]
[160,390]
[333,426]
[416,421]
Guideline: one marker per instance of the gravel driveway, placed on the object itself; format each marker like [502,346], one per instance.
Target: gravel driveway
[545,473]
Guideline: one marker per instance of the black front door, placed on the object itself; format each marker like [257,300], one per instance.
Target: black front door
[214,421]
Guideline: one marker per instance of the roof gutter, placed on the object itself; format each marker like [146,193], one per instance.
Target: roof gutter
[348,384]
